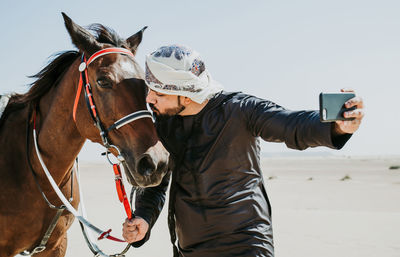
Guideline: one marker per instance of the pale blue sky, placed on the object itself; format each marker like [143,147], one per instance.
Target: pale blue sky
[285,51]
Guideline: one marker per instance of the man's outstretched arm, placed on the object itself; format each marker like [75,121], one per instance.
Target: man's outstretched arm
[299,129]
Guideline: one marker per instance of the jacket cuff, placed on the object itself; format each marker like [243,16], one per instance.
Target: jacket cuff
[143,214]
[338,141]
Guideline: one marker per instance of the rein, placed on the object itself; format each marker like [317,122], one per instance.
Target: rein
[84,81]
[42,246]
[67,204]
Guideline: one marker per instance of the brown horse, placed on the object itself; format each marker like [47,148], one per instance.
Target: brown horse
[118,89]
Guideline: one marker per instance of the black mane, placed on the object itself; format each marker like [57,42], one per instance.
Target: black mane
[107,35]
[50,75]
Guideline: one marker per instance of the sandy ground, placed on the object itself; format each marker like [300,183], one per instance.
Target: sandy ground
[316,210]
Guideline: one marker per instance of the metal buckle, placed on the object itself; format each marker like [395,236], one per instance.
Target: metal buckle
[39,249]
[82,66]
[120,158]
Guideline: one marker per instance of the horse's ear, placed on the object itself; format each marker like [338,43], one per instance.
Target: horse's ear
[134,40]
[80,37]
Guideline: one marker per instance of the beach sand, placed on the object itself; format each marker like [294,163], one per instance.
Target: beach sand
[322,206]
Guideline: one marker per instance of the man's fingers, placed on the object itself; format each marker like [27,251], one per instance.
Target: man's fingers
[355,101]
[134,230]
[131,229]
[140,235]
[136,222]
[358,114]
[133,235]
[349,90]
[128,228]
[129,223]
[130,235]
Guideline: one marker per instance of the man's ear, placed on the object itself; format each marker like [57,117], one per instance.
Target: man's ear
[186,100]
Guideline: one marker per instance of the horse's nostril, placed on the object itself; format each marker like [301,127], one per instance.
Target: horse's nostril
[146,166]
[162,166]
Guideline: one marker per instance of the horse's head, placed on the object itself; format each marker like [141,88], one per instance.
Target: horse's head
[118,89]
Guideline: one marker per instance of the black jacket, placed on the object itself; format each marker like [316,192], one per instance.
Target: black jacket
[221,205]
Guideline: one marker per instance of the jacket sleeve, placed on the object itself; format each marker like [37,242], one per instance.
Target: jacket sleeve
[149,203]
[297,129]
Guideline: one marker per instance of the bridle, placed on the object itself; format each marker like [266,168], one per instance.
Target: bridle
[84,80]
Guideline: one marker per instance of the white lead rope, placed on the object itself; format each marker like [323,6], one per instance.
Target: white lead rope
[89,235]
[82,211]
[69,207]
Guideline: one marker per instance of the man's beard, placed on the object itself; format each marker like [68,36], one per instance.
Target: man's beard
[168,112]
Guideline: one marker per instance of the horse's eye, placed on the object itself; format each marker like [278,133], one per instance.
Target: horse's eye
[104,83]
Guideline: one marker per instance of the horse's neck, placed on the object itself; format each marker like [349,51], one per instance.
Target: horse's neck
[58,138]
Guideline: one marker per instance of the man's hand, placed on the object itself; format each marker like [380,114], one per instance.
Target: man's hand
[134,230]
[351,126]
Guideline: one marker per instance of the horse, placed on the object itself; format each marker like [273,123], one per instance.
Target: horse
[63,122]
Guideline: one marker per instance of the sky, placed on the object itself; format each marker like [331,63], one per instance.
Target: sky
[284,51]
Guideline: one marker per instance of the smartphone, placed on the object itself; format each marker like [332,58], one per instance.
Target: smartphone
[331,106]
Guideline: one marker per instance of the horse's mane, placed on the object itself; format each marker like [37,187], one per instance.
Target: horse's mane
[50,75]
[107,35]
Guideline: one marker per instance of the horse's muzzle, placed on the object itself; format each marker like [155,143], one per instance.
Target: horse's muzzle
[150,167]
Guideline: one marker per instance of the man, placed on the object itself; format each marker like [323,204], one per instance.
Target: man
[218,202]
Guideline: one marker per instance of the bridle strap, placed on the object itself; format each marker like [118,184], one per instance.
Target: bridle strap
[83,80]
[130,118]
[111,50]
[123,198]
[78,92]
